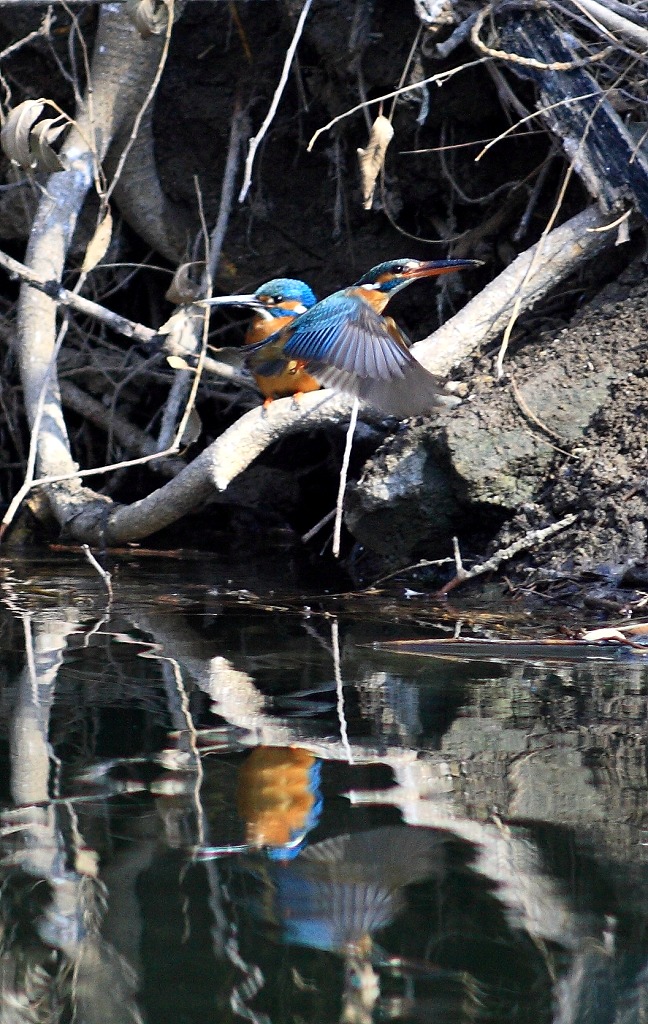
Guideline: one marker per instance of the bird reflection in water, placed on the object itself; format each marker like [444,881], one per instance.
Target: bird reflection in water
[278,798]
[332,895]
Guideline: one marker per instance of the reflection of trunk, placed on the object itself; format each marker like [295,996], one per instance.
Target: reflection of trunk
[45,643]
[41,840]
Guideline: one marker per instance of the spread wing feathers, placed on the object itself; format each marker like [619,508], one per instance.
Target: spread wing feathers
[345,333]
[416,393]
[347,346]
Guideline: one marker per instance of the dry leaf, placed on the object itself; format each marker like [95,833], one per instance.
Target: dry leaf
[192,430]
[15,132]
[98,244]
[178,363]
[372,159]
[29,144]
[41,138]
[182,289]
[148,16]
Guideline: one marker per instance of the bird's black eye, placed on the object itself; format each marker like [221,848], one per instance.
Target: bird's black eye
[278,299]
[400,268]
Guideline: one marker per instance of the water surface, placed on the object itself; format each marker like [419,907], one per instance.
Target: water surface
[220,802]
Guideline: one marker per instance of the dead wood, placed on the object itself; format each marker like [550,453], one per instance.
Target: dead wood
[578,111]
[524,282]
[143,203]
[123,67]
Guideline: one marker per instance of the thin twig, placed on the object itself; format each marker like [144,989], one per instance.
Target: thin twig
[64,297]
[119,324]
[531,539]
[255,141]
[106,577]
[609,22]
[318,526]
[213,249]
[530,415]
[529,62]
[456,551]
[42,30]
[239,122]
[424,563]
[337,531]
[180,385]
[517,305]
[535,113]
[440,79]
[130,437]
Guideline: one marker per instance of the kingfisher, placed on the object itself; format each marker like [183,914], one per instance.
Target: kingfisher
[276,304]
[345,343]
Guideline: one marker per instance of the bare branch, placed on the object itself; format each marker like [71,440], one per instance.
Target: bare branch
[55,290]
[481,321]
[254,142]
[601,15]
[440,78]
[339,508]
[527,542]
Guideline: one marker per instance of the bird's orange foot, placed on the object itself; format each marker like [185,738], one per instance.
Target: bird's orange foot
[296,399]
[266,405]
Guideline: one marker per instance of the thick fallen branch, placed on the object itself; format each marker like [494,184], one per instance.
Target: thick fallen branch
[246,439]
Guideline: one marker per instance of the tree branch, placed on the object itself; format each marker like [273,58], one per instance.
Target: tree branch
[481,321]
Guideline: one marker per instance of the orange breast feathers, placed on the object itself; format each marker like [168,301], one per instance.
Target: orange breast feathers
[293,379]
[372,296]
[274,795]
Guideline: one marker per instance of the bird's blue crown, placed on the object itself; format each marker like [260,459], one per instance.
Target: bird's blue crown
[287,288]
[392,271]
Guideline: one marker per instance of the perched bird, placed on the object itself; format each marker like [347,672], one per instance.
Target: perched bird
[345,343]
[276,304]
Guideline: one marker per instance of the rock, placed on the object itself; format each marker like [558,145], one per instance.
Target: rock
[556,433]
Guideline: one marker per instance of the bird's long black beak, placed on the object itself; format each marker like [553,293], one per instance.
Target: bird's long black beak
[250,301]
[433,268]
